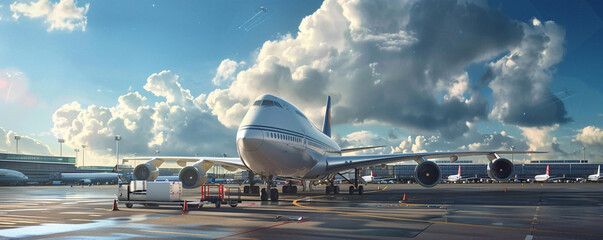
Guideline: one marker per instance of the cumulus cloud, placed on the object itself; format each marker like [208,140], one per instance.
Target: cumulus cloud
[397,63]
[521,79]
[591,138]
[226,72]
[27,145]
[180,125]
[64,15]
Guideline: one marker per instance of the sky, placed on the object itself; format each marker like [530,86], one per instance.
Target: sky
[414,76]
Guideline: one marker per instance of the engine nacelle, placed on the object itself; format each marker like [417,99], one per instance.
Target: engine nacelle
[500,169]
[146,171]
[428,174]
[192,177]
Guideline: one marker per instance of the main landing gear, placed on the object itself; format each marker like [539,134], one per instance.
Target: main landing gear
[355,186]
[290,188]
[251,189]
[272,190]
[331,187]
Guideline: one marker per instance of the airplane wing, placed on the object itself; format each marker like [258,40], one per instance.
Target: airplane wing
[347,150]
[340,163]
[229,163]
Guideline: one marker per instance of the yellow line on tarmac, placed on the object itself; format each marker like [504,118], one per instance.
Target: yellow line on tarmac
[324,210]
[193,234]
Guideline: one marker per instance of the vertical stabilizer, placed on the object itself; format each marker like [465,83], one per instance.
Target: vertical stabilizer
[459,170]
[326,125]
[599,171]
[547,169]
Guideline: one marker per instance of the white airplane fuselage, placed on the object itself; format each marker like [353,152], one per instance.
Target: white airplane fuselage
[595,177]
[541,178]
[12,177]
[279,140]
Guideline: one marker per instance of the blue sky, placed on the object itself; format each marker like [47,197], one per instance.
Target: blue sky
[121,45]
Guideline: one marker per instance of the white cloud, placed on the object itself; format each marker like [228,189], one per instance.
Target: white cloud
[226,72]
[541,139]
[64,15]
[180,125]
[27,145]
[590,135]
[380,63]
[520,80]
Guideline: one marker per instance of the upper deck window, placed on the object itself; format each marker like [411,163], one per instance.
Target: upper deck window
[268,103]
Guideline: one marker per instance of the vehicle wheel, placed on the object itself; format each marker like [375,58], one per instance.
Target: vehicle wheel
[360,190]
[336,190]
[294,188]
[285,189]
[218,204]
[200,206]
[246,189]
[129,205]
[274,194]
[328,189]
[263,195]
[233,204]
[351,190]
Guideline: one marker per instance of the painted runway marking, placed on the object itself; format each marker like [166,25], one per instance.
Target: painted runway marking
[194,234]
[529,237]
[323,210]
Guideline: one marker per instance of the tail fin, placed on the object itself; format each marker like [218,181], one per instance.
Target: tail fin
[326,125]
[547,169]
[372,173]
[459,170]
[599,170]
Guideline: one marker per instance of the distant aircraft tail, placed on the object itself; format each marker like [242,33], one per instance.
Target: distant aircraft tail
[326,125]
[547,169]
[459,170]
[599,170]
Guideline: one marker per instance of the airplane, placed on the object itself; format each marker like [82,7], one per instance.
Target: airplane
[456,177]
[595,177]
[543,177]
[12,177]
[369,178]
[88,178]
[459,178]
[275,139]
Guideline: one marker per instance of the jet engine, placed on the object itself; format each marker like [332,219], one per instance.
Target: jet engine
[192,177]
[500,169]
[146,171]
[428,174]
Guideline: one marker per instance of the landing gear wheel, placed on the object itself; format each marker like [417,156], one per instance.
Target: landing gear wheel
[336,190]
[286,189]
[328,189]
[274,194]
[233,204]
[129,205]
[218,204]
[351,190]
[360,190]
[246,190]
[293,189]
[263,195]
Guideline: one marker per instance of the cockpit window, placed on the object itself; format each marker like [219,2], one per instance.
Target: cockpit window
[267,103]
[257,103]
[277,104]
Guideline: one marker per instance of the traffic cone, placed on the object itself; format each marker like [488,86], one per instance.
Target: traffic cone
[115,205]
[404,198]
[185,208]
[505,189]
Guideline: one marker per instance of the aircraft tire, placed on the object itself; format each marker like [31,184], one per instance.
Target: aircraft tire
[328,190]
[360,190]
[351,190]
[286,189]
[293,189]
[263,195]
[274,194]
[129,205]
[336,190]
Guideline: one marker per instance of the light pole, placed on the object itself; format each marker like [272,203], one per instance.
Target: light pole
[76,151]
[83,155]
[512,149]
[584,153]
[17,138]
[117,138]
[61,141]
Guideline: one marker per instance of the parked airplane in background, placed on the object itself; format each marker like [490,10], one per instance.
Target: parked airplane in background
[455,178]
[369,178]
[275,139]
[12,177]
[543,177]
[595,177]
[88,178]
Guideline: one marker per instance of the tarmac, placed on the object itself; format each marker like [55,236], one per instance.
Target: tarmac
[386,211]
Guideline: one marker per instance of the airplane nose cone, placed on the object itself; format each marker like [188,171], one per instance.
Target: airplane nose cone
[250,140]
